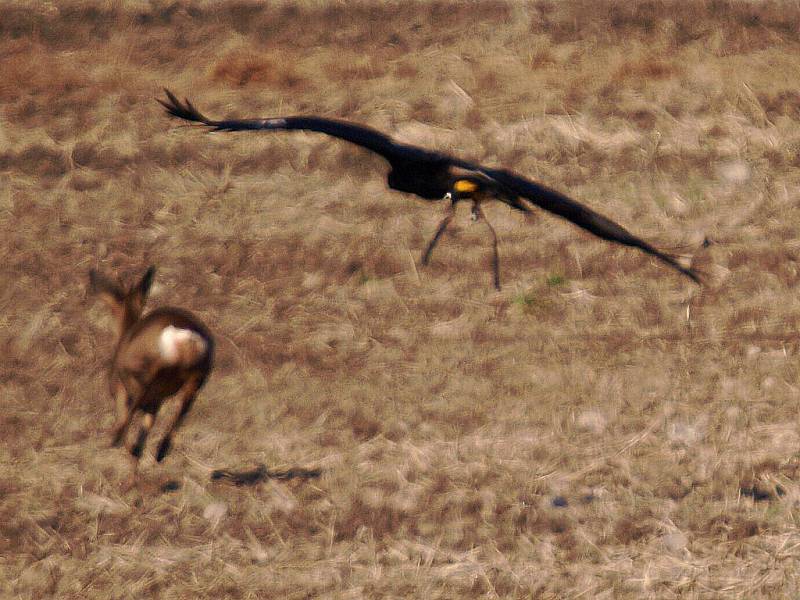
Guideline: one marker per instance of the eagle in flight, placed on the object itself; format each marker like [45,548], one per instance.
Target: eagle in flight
[437,176]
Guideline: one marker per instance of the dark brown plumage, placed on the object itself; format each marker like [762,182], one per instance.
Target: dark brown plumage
[437,176]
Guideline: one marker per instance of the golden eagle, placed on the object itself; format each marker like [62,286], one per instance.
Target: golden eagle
[437,176]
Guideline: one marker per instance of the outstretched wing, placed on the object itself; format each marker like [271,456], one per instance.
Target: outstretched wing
[415,158]
[356,134]
[583,216]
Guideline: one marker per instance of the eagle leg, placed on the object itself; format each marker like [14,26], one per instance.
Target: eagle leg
[451,211]
[477,215]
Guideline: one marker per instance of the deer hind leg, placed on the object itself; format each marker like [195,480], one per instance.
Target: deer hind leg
[185,396]
[141,438]
[136,449]
[131,391]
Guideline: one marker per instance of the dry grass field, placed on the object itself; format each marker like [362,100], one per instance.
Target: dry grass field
[600,428]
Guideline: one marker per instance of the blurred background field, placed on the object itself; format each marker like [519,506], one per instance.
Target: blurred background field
[599,428]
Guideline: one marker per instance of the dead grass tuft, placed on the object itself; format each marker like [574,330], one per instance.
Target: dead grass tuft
[242,67]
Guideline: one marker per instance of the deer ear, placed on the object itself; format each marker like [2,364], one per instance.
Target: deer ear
[143,287]
[110,291]
[137,297]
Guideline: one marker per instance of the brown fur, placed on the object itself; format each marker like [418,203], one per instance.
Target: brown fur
[141,378]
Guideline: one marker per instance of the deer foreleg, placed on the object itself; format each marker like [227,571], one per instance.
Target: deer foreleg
[124,415]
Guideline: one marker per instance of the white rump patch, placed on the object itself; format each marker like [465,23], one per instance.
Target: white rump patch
[180,345]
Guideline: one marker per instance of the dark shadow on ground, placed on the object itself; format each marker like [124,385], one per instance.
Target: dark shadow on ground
[170,486]
[261,473]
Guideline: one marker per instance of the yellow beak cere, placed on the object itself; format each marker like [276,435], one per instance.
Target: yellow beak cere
[465,185]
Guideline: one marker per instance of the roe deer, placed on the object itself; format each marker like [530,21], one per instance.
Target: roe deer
[167,352]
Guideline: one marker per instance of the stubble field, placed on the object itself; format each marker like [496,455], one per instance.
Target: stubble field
[601,427]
